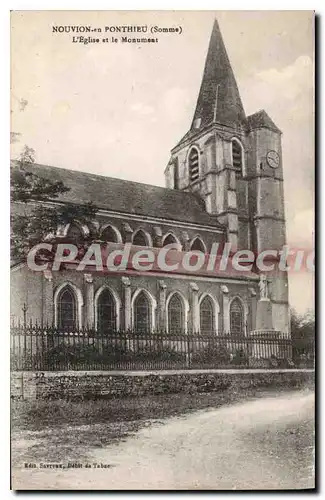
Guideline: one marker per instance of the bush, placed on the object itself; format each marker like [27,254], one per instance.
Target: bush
[285,363]
[26,362]
[67,355]
[76,355]
[159,353]
[212,354]
[240,358]
[272,362]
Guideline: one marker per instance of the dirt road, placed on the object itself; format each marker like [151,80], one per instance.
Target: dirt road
[262,444]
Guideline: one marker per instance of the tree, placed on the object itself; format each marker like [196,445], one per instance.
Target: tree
[303,326]
[303,337]
[35,216]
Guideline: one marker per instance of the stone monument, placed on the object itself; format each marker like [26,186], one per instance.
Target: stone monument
[264,307]
[264,332]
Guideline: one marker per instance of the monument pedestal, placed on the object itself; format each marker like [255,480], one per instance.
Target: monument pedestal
[264,315]
[265,344]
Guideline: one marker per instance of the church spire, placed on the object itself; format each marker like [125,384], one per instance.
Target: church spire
[219,100]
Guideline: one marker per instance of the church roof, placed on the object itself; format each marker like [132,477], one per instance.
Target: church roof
[127,196]
[261,119]
[219,100]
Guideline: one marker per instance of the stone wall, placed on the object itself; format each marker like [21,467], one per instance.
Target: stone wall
[94,385]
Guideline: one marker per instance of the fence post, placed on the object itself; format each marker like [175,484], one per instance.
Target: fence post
[24,309]
[188,350]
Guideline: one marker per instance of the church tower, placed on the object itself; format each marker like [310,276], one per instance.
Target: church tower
[233,162]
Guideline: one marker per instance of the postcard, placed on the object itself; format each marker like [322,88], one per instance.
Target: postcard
[162,248]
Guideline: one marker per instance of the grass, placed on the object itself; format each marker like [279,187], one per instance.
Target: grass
[56,431]
[39,414]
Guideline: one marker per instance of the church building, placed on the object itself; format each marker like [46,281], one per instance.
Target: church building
[224,183]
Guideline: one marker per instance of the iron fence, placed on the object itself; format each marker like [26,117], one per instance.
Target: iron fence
[40,348]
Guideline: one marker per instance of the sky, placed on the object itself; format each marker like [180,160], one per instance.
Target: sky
[117,109]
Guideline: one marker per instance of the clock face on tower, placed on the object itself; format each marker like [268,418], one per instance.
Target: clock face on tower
[273,159]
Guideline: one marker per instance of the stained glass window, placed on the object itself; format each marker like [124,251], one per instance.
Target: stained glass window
[140,239]
[109,234]
[197,245]
[142,313]
[106,312]
[175,314]
[67,309]
[206,316]
[236,318]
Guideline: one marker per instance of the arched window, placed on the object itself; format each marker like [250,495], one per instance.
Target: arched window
[206,316]
[169,239]
[67,317]
[106,312]
[198,245]
[142,313]
[109,234]
[175,314]
[140,239]
[237,155]
[193,164]
[75,233]
[237,326]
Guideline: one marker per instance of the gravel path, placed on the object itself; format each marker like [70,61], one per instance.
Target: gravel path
[262,444]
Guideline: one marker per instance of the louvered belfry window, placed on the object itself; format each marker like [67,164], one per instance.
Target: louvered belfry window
[193,164]
[237,156]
